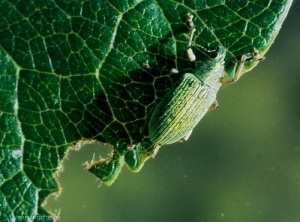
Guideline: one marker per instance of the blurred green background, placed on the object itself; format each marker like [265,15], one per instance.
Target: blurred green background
[242,162]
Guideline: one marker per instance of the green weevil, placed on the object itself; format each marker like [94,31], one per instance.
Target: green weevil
[188,100]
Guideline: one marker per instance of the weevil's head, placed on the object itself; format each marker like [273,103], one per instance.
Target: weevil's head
[219,55]
[212,67]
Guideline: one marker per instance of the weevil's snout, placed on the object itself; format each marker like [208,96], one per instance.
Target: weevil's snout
[220,54]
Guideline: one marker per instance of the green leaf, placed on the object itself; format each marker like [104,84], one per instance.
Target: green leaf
[73,71]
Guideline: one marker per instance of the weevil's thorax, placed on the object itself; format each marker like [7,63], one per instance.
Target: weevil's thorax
[211,70]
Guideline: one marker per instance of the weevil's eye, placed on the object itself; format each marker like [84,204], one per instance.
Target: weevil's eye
[214,54]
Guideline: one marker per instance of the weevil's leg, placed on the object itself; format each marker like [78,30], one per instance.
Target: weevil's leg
[238,72]
[190,54]
[140,138]
[155,150]
[192,31]
[130,146]
[214,105]
[186,137]
[146,65]
[174,71]
[240,68]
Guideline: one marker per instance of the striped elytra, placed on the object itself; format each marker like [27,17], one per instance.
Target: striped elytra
[187,101]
